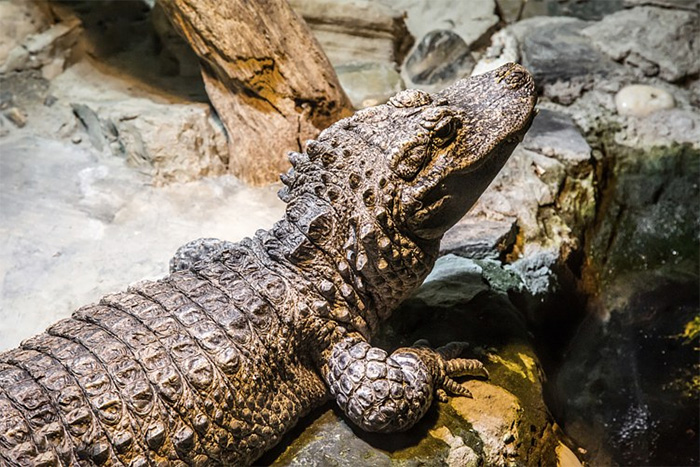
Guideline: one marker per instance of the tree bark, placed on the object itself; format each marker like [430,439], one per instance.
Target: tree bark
[265,75]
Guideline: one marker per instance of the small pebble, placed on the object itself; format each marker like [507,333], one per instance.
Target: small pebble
[16,116]
[640,100]
[50,100]
[76,139]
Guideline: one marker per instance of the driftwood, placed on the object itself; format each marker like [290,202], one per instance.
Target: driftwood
[266,76]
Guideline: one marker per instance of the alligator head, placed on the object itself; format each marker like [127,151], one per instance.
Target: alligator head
[463,136]
[413,167]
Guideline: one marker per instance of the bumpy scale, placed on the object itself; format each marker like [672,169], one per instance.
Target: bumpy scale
[213,364]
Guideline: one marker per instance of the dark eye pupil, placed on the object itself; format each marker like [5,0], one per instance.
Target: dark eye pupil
[446,131]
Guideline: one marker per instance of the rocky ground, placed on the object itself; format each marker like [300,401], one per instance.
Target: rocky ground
[575,277]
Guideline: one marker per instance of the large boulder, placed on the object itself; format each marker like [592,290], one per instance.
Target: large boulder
[665,51]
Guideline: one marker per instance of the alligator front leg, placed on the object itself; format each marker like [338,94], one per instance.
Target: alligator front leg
[389,393]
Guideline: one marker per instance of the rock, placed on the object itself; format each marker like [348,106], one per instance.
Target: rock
[553,49]
[566,92]
[628,383]
[176,56]
[50,100]
[447,29]
[690,5]
[667,51]
[503,49]
[22,89]
[548,185]
[16,116]
[510,11]
[662,128]
[695,93]
[174,141]
[576,8]
[18,21]
[472,21]
[365,41]
[4,130]
[554,134]
[92,125]
[369,84]
[566,457]
[640,100]
[480,238]
[357,31]
[440,58]
[45,46]
[506,422]
[76,226]
[454,282]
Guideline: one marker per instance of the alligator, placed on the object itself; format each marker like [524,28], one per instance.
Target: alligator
[214,363]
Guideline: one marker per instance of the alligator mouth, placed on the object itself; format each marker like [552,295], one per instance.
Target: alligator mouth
[433,208]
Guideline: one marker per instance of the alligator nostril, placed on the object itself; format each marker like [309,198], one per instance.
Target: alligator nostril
[516,79]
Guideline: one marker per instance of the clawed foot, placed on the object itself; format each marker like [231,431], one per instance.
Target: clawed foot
[453,367]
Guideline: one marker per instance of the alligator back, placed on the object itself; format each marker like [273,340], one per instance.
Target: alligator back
[182,370]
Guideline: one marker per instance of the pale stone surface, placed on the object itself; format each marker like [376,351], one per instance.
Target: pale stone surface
[640,100]
[171,139]
[16,116]
[553,49]
[356,31]
[664,51]
[369,84]
[664,127]
[439,59]
[503,49]
[547,185]
[472,20]
[30,40]
[19,20]
[365,41]
[480,238]
[510,10]
[76,226]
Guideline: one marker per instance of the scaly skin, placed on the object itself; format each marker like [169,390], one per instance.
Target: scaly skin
[213,364]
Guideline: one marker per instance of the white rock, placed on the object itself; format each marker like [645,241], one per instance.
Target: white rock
[655,40]
[369,84]
[38,44]
[356,31]
[176,142]
[640,100]
[75,226]
[19,19]
[662,128]
[172,139]
[472,19]
[503,49]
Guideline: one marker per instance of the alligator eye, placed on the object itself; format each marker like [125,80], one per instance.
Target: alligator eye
[445,132]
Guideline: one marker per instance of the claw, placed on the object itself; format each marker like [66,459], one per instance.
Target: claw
[441,395]
[455,388]
[465,367]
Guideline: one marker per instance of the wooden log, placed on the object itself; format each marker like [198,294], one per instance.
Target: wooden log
[266,76]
